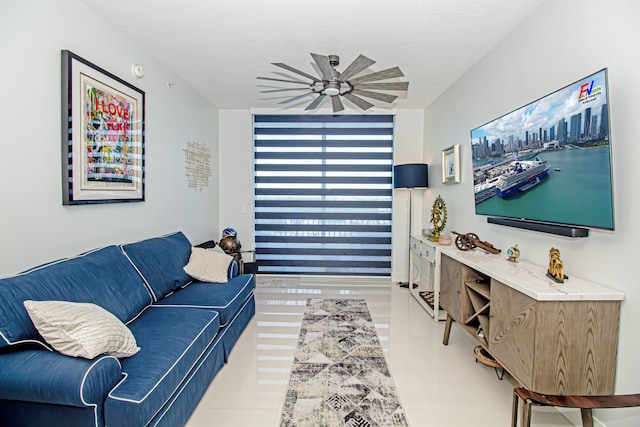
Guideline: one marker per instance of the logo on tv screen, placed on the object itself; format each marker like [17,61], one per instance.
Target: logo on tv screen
[588,92]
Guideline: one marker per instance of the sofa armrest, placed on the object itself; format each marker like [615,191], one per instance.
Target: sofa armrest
[234,269]
[51,377]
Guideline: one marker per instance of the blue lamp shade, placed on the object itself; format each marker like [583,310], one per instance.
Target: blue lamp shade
[411,175]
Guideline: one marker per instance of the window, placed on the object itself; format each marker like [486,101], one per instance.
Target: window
[323,194]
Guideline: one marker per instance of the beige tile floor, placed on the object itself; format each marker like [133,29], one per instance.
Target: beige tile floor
[439,386]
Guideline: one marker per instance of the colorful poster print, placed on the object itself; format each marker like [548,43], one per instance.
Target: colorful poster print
[108,149]
[102,135]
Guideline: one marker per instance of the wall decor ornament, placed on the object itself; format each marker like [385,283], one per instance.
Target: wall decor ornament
[197,157]
[102,135]
[451,164]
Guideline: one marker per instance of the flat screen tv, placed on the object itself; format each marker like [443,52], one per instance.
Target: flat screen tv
[548,162]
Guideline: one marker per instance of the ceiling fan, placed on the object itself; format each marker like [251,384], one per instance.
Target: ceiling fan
[333,84]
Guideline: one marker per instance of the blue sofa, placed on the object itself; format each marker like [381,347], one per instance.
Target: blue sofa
[185,330]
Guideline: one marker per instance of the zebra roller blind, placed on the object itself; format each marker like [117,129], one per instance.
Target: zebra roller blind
[323,194]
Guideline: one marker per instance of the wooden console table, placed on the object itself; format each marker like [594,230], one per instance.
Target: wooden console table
[553,338]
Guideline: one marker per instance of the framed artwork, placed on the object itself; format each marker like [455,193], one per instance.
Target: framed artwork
[451,164]
[102,135]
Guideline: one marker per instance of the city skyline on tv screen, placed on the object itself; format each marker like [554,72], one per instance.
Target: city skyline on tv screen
[549,160]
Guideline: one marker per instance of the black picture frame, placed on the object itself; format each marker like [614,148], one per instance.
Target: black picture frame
[103,138]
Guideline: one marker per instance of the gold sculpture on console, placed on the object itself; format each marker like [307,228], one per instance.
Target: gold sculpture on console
[438,217]
[556,267]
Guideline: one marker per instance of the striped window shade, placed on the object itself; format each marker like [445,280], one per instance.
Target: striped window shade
[323,194]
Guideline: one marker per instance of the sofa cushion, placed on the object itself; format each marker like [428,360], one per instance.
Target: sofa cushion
[160,262]
[171,341]
[103,277]
[208,266]
[226,299]
[81,329]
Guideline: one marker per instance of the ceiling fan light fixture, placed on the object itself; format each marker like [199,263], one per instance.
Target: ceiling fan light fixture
[348,84]
[332,88]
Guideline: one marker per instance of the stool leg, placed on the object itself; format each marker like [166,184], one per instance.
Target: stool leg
[526,413]
[514,411]
[587,418]
[447,329]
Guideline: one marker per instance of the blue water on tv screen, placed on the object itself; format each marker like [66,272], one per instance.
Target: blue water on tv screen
[549,160]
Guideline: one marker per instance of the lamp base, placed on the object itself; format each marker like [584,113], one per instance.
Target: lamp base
[406,285]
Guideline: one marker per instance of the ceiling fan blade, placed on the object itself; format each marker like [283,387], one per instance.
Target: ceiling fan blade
[365,105]
[295,98]
[385,86]
[389,73]
[316,102]
[283,90]
[324,65]
[294,70]
[375,95]
[282,80]
[336,103]
[358,64]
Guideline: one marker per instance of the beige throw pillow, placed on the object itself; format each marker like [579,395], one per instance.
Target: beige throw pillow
[208,266]
[81,329]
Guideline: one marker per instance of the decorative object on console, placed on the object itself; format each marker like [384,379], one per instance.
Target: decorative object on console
[197,168]
[556,267]
[335,85]
[410,176]
[451,165]
[102,135]
[438,217]
[428,233]
[445,240]
[514,253]
[468,241]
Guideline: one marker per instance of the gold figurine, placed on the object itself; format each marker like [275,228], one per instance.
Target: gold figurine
[438,217]
[556,268]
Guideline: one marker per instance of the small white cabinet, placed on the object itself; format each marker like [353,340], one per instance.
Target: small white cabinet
[424,274]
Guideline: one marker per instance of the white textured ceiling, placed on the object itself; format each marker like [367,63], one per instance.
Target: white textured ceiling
[220,47]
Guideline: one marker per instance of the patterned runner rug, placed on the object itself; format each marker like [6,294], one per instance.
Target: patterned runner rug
[339,375]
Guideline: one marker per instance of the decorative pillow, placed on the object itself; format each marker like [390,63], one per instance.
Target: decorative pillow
[208,266]
[81,329]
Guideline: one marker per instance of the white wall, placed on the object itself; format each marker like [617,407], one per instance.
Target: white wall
[34,226]
[563,41]
[236,176]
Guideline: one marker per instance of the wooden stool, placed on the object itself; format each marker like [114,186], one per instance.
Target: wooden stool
[584,403]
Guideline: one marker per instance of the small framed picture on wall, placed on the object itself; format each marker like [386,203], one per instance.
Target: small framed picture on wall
[451,164]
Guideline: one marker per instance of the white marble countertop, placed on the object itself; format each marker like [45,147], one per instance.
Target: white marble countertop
[531,279]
